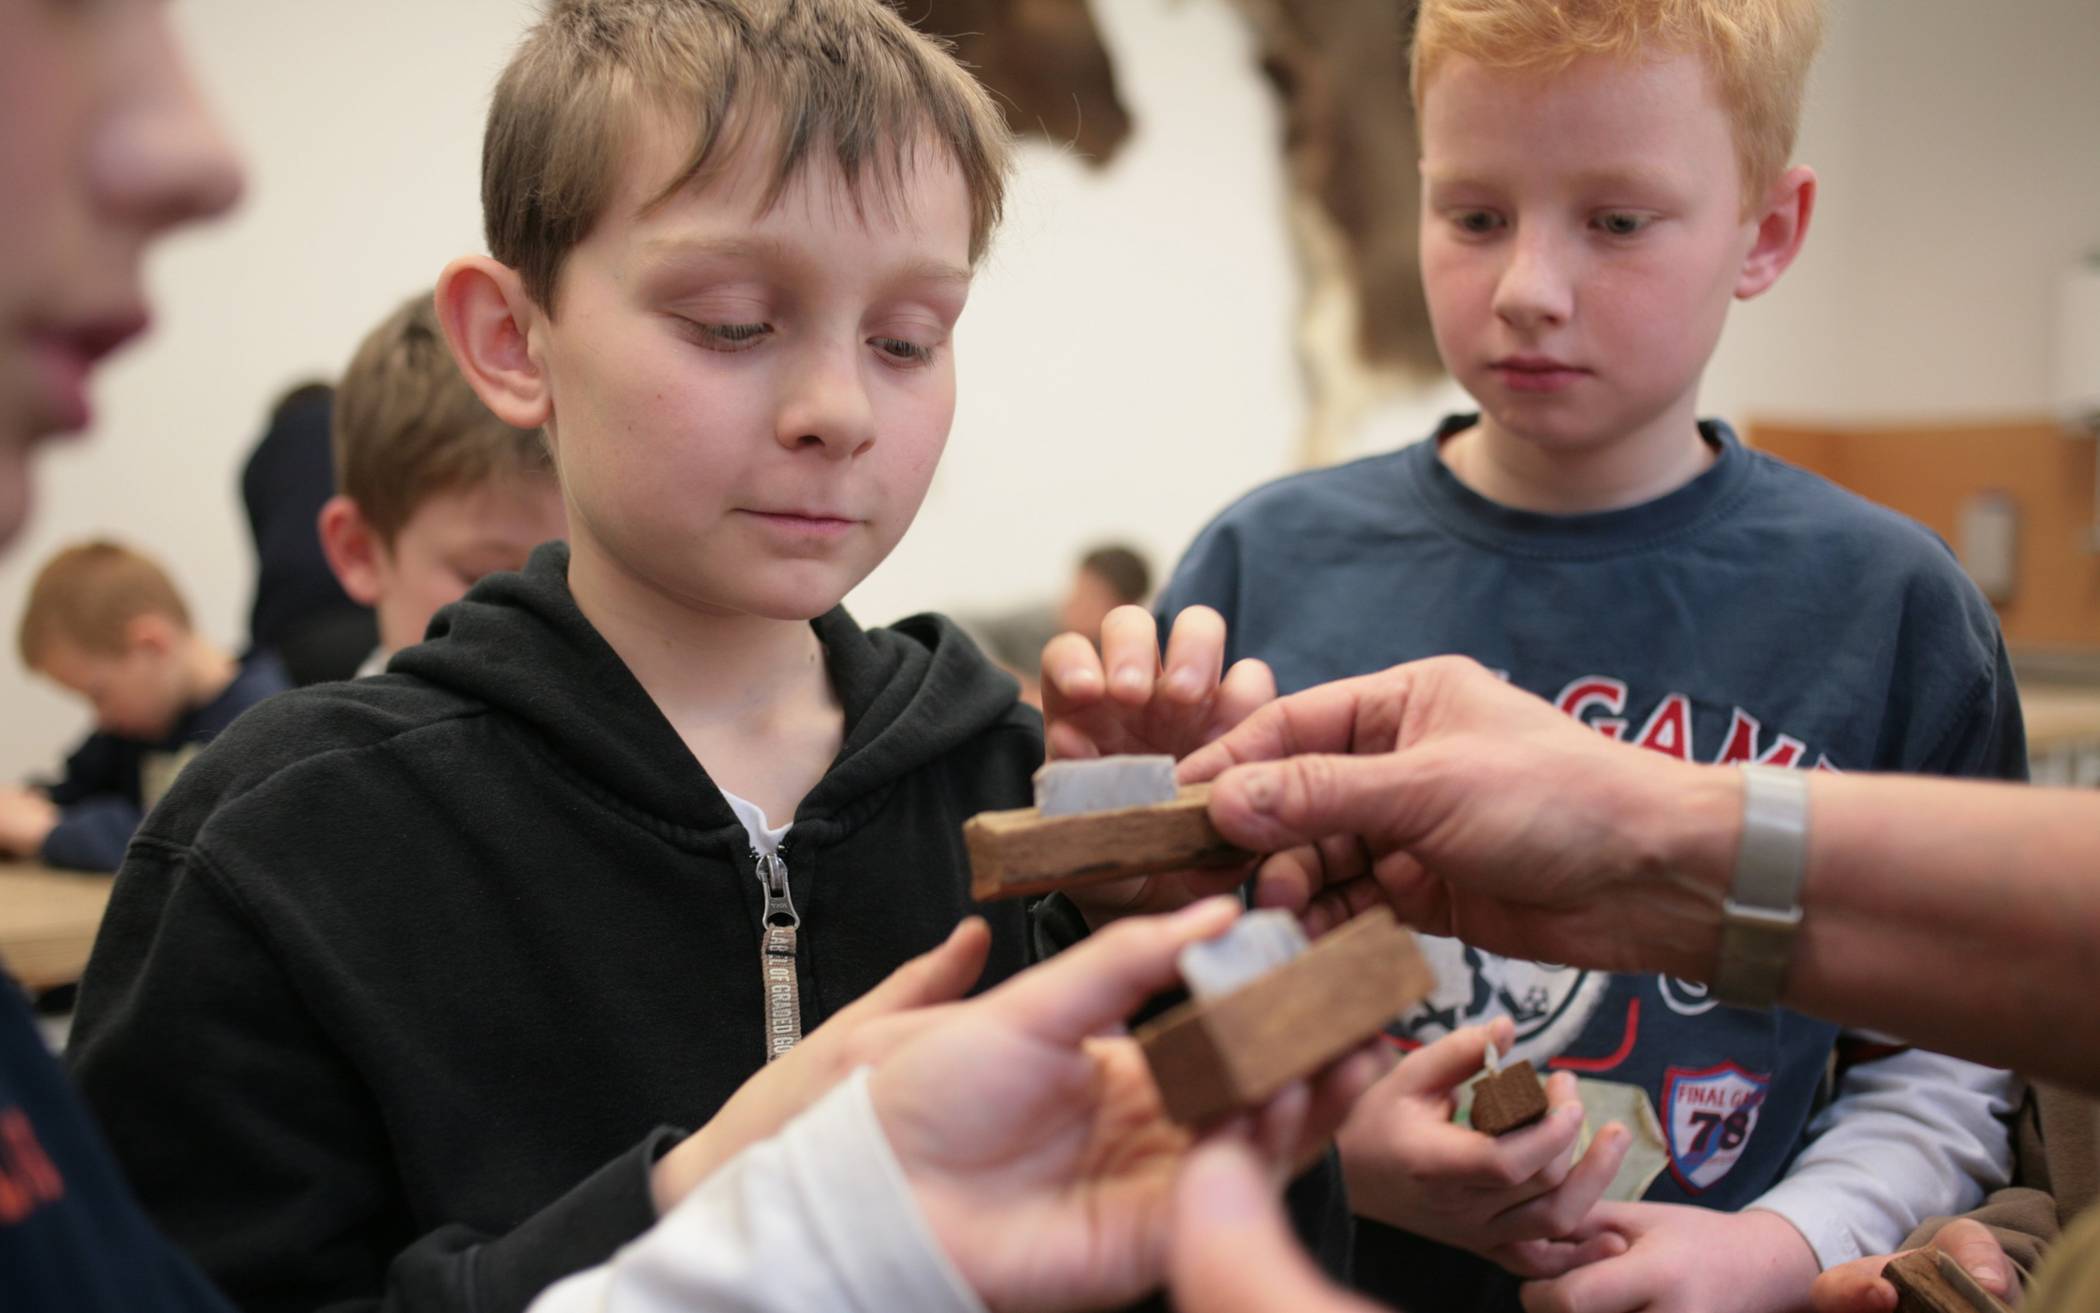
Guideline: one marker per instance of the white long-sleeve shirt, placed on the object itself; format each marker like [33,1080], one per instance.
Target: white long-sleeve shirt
[818,1219]
[1909,1136]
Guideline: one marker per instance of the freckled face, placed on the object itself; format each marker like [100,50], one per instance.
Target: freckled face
[1582,238]
[749,401]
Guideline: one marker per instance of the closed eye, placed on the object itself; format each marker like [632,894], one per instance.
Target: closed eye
[728,337]
[902,351]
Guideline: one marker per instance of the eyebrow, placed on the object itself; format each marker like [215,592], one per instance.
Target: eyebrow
[1628,179]
[1615,179]
[664,249]
[764,250]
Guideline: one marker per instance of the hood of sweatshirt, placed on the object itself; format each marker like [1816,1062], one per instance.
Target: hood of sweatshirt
[911,692]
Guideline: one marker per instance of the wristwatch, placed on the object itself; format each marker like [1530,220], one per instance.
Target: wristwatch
[1763,907]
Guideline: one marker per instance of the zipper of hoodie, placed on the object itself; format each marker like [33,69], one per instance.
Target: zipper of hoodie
[776,961]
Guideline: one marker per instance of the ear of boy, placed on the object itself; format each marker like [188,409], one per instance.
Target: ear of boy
[352,548]
[487,318]
[1782,227]
[152,636]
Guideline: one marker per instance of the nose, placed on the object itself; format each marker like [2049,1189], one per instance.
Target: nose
[1535,291]
[160,158]
[826,405]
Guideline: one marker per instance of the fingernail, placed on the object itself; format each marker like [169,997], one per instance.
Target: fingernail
[1130,679]
[1185,684]
[1258,786]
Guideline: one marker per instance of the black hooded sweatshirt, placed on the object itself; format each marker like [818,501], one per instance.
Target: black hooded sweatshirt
[409,980]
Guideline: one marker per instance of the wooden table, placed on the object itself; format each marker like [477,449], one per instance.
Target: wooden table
[47,922]
[2060,717]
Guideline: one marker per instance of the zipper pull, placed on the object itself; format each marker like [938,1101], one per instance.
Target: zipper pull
[776,964]
[780,904]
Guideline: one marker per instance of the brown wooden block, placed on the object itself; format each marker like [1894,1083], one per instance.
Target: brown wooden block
[1217,1056]
[1508,1100]
[1929,1281]
[1019,852]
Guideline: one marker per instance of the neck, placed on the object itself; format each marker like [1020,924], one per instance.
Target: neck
[1655,460]
[707,671]
[207,670]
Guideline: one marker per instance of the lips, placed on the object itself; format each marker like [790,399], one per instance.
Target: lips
[1536,373]
[809,515]
[64,358]
[804,523]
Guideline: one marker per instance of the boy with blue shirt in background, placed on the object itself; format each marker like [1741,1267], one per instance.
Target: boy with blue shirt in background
[1600,181]
[107,624]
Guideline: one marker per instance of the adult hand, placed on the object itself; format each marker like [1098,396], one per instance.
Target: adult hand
[1684,1259]
[1122,698]
[860,1034]
[1481,812]
[26,820]
[1035,1141]
[1511,1198]
[1232,1247]
[1859,1287]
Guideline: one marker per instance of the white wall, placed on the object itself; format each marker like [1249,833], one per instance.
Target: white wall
[1126,363]
[1127,356]
[1959,148]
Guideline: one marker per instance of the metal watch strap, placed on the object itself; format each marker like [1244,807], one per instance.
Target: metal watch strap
[1763,907]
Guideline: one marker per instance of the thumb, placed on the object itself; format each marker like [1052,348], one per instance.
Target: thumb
[939,975]
[1276,805]
[1232,1251]
[1971,1244]
[1441,1066]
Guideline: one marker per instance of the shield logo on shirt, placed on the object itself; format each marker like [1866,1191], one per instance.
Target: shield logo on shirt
[1708,1117]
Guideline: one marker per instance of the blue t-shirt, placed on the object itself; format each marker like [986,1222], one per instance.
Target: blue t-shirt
[72,1238]
[104,794]
[1758,613]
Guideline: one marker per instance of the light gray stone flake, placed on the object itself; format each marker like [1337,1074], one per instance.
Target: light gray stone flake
[1065,788]
[1257,943]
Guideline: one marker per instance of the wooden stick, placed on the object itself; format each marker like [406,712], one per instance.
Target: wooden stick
[1217,1056]
[1019,852]
[1928,1280]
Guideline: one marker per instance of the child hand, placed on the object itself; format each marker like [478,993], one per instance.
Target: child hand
[26,819]
[1858,1286]
[1512,1198]
[1123,699]
[1232,1249]
[1684,1259]
[1038,1148]
[905,1004]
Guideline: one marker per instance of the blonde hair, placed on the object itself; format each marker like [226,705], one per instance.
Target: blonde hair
[408,425]
[800,75]
[88,595]
[1759,52]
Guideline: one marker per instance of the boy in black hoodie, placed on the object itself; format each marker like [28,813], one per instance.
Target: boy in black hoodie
[407,983]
